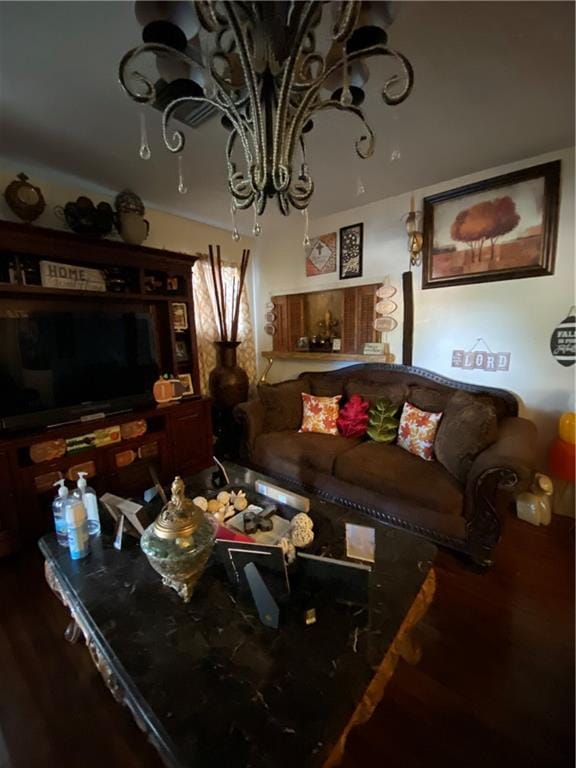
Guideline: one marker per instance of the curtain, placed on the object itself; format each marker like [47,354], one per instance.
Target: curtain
[206,323]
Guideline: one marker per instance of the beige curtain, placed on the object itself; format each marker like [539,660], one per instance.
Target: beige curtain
[206,324]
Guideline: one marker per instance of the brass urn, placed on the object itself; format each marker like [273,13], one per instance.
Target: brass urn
[179,542]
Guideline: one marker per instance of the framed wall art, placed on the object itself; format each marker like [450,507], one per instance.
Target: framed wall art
[497,229]
[351,246]
[321,255]
[179,316]
[186,381]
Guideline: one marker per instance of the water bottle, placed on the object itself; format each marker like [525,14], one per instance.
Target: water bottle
[88,497]
[59,512]
[77,527]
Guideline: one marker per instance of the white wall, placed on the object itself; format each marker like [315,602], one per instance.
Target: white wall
[516,316]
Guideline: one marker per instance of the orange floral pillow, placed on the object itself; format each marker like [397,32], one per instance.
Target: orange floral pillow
[417,431]
[320,414]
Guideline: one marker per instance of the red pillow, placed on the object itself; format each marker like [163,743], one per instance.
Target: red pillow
[353,418]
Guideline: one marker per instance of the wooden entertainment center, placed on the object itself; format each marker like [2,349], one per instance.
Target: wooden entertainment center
[177,437]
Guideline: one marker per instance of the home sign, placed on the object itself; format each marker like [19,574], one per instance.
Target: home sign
[54,275]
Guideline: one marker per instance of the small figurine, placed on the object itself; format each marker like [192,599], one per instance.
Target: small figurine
[535,506]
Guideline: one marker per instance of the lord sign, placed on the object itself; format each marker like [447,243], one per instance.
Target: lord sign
[480,359]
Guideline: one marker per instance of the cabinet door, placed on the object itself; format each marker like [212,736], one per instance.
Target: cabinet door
[8,520]
[358,321]
[191,436]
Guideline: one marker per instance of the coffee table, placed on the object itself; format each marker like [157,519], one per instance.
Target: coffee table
[208,683]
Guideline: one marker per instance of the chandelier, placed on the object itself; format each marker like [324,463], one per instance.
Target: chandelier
[258,63]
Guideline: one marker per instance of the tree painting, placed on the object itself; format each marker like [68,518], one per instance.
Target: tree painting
[485,221]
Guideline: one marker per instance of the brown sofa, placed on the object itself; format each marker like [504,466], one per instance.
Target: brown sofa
[481,445]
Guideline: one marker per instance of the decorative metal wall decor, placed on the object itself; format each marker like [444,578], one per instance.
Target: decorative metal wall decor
[351,247]
[497,229]
[260,65]
[321,255]
[480,359]
[563,340]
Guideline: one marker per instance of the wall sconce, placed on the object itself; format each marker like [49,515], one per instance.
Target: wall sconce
[415,237]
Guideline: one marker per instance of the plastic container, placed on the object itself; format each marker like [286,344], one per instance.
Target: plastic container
[77,527]
[88,497]
[59,512]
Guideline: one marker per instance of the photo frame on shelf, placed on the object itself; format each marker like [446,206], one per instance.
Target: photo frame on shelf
[186,380]
[351,251]
[500,228]
[181,350]
[179,316]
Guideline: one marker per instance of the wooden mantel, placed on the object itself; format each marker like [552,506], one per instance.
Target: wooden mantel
[324,357]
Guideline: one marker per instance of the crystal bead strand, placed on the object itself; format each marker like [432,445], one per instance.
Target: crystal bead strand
[145,153]
[256,229]
[182,188]
[306,241]
[235,233]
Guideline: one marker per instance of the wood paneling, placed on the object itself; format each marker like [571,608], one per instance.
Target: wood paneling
[298,315]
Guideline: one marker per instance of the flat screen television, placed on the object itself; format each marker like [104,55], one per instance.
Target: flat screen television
[59,364]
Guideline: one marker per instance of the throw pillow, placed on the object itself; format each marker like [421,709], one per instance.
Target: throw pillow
[469,426]
[353,418]
[383,424]
[283,404]
[417,431]
[320,414]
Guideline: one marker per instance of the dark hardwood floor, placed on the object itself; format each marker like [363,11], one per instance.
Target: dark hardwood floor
[495,686]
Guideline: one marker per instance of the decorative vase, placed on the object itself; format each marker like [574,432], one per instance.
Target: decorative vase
[179,542]
[133,228]
[228,382]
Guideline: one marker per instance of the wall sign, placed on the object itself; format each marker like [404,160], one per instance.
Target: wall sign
[563,340]
[480,359]
[54,275]
[321,255]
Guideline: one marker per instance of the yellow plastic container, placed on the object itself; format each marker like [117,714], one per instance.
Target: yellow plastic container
[567,427]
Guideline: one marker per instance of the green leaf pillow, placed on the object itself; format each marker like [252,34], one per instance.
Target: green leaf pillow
[382,422]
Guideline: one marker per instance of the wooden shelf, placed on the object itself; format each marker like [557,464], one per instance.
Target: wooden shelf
[32,290]
[328,357]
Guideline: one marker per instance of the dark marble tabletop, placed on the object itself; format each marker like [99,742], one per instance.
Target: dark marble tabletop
[212,684]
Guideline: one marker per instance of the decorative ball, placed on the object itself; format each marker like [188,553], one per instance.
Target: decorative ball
[301,533]
[201,502]
[213,506]
[567,427]
[239,500]
[223,497]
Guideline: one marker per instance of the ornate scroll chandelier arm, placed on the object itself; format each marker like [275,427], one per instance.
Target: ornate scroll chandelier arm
[347,20]
[305,13]
[251,82]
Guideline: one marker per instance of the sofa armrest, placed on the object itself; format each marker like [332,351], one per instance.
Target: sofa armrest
[508,464]
[250,415]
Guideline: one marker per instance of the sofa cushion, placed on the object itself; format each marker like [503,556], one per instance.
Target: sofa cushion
[324,385]
[276,450]
[428,399]
[283,404]
[469,426]
[320,414]
[395,473]
[373,391]
[417,431]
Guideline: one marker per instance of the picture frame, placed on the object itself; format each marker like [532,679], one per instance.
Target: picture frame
[351,251]
[502,228]
[179,316]
[181,351]
[186,379]
[321,255]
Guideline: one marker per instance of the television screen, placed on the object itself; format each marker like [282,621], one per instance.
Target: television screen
[58,359]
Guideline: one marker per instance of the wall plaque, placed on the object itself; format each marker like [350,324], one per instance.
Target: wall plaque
[480,359]
[70,277]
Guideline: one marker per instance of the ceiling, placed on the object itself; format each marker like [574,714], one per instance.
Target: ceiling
[494,83]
